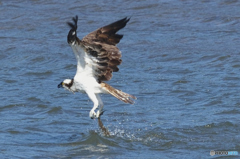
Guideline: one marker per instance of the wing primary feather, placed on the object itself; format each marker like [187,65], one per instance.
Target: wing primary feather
[72,35]
[115,26]
[107,34]
[73,25]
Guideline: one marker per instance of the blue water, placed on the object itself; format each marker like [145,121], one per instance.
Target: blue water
[181,59]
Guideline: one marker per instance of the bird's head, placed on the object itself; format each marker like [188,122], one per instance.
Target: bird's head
[67,84]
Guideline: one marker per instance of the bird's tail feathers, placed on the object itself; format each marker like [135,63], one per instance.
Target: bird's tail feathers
[126,98]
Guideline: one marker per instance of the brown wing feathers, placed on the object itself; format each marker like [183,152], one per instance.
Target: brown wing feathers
[108,54]
[107,34]
[101,45]
[107,61]
[126,98]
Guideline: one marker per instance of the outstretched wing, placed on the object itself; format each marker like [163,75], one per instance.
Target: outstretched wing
[97,52]
[107,34]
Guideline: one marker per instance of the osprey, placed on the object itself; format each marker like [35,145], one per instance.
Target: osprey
[97,57]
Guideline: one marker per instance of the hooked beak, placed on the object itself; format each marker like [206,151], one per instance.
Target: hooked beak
[60,85]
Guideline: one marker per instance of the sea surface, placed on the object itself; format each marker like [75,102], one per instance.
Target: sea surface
[181,59]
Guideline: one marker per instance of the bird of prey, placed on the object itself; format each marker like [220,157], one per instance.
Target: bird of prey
[97,57]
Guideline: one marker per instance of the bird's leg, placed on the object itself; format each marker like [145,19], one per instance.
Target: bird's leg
[100,110]
[92,113]
[93,97]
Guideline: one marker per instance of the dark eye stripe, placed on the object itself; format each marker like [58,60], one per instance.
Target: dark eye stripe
[70,84]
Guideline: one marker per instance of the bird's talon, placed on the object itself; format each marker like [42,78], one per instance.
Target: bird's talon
[92,114]
[99,113]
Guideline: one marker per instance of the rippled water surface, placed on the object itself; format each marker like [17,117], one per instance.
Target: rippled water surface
[180,58]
